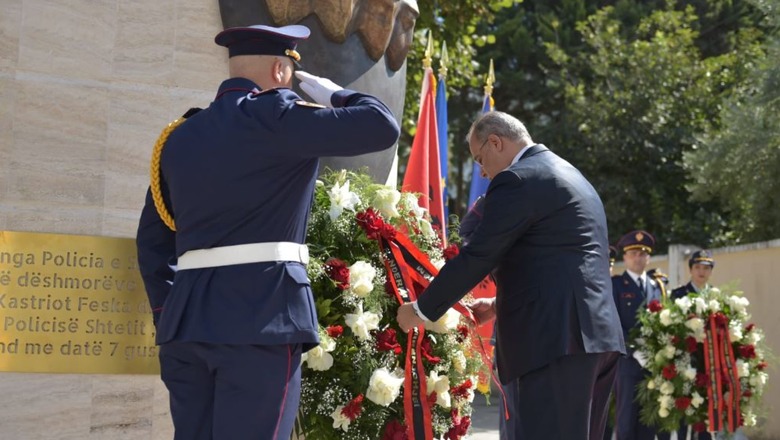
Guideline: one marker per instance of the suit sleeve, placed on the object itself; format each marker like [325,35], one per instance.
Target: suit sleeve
[358,124]
[156,245]
[509,212]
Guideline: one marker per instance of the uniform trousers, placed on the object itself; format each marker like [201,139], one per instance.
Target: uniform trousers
[564,400]
[234,392]
[628,426]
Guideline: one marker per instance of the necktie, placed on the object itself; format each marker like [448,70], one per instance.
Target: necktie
[641,285]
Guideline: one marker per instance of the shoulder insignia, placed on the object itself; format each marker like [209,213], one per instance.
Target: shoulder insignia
[308,104]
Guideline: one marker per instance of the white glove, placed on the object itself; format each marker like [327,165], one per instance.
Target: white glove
[640,357]
[319,89]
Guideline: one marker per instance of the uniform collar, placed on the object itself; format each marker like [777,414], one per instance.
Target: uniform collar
[636,277]
[242,85]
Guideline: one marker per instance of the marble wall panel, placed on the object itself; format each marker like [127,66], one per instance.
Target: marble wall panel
[68,38]
[198,62]
[10,27]
[143,50]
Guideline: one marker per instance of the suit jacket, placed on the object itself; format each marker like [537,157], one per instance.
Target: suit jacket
[243,171]
[544,235]
[630,298]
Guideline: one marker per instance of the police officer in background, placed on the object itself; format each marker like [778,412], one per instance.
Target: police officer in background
[700,265]
[633,289]
[220,239]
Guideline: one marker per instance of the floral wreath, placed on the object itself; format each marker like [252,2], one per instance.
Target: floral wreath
[354,381]
[707,363]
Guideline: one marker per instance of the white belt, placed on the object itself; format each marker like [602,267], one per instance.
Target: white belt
[243,254]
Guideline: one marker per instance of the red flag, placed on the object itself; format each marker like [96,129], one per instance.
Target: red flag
[423,172]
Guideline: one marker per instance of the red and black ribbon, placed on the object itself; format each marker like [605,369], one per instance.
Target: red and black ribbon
[723,391]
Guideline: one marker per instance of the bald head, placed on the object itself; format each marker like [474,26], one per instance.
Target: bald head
[267,71]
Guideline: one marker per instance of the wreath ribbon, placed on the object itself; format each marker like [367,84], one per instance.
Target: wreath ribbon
[723,391]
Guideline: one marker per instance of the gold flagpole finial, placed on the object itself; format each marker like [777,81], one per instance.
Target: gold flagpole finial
[428,59]
[444,61]
[490,80]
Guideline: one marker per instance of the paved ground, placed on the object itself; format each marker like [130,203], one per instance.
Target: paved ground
[484,421]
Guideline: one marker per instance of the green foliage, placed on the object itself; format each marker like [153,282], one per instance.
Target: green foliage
[638,100]
[739,164]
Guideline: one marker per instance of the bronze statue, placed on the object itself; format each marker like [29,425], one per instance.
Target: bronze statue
[359,44]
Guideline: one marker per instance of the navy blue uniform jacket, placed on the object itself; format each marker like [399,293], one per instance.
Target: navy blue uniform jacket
[243,171]
[545,233]
[629,299]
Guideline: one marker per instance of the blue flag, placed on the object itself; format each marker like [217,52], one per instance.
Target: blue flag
[479,184]
[441,123]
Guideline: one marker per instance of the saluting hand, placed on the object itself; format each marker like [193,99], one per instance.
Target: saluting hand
[318,88]
[407,317]
[484,309]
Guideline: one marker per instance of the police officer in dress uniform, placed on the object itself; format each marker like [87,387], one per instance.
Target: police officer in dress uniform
[633,289]
[220,239]
[700,265]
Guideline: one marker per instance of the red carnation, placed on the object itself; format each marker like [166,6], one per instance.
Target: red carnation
[371,223]
[669,372]
[427,352]
[388,231]
[747,351]
[395,431]
[682,403]
[701,380]
[721,320]
[655,306]
[338,271]
[691,344]
[460,426]
[451,252]
[749,327]
[353,409]
[699,427]
[747,393]
[386,341]
[334,331]
[462,391]
[762,365]
[675,339]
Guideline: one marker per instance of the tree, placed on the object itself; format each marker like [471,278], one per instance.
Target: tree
[739,164]
[638,98]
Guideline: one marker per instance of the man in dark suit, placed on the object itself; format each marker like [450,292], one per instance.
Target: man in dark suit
[543,234]
[220,240]
[632,290]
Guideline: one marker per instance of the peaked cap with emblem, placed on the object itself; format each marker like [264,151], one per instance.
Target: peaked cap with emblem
[263,40]
[639,239]
[701,257]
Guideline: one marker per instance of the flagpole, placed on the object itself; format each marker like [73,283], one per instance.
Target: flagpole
[490,80]
[444,61]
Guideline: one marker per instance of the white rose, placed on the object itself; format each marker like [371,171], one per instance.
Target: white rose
[319,359]
[651,384]
[735,331]
[362,323]
[696,400]
[743,368]
[361,278]
[667,388]
[669,351]
[340,420]
[411,202]
[663,412]
[755,337]
[341,198]
[427,229]
[689,373]
[713,305]
[384,387]
[385,201]
[738,303]
[700,305]
[695,324]
[665,401]
[441,386]
[666,317]
[684,304]
[448,321]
